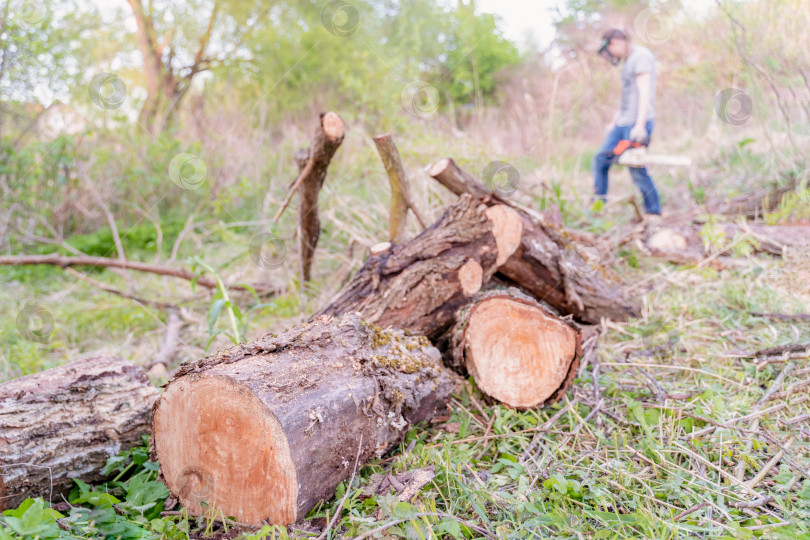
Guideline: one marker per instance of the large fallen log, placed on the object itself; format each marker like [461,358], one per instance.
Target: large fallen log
[555,265]
[65,422]
[267,429]
[420,284]
[516,350]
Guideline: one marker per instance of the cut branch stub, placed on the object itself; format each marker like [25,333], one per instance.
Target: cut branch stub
[518,352]
[312,164]
[268,429]
[508,230]
[401,199]
[420,284]
[324,145]
[457,180]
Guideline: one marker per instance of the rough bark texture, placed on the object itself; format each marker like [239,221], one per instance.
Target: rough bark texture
[401,199]
[517,351]
[555,265]
[267,429]
[65,422]
[327,139]
[416,285]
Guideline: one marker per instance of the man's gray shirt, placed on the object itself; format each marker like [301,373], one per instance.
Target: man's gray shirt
[640,60]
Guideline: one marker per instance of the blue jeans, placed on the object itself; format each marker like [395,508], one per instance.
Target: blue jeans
[601,164]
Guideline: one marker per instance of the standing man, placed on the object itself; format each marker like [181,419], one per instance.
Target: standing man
[634,119]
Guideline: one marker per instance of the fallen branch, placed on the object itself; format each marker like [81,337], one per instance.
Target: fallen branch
[419,285]
[87,260]
[782,316]
[780,350]
[171,340]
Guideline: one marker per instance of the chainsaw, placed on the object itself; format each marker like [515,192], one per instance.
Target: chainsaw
[634,154]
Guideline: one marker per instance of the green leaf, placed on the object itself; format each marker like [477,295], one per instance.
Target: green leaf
[93,498]
[213,313]
[403,509]
[142,492]
[448,526]
[34,520]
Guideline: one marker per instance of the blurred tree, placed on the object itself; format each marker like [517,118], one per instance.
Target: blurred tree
[180,40]
[40,58]
[476,52]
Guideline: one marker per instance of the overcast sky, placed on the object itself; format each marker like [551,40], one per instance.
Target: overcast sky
[536,16]
[521,17]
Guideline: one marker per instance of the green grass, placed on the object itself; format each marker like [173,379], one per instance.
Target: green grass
[624,471]
[618,461]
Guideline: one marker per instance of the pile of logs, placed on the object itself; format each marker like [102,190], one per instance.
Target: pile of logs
[265,430]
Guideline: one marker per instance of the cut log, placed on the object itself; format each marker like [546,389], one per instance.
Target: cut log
[456,179]
[401,199]
[420,284]
[559,266]
[268,429]
[517,351]
[65,422]
[312,173]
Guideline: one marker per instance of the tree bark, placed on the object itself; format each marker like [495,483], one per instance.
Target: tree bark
[267,429]
[555,265]
[420,284]
[65,422]
[518,352]
[401,199]
[312,174]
